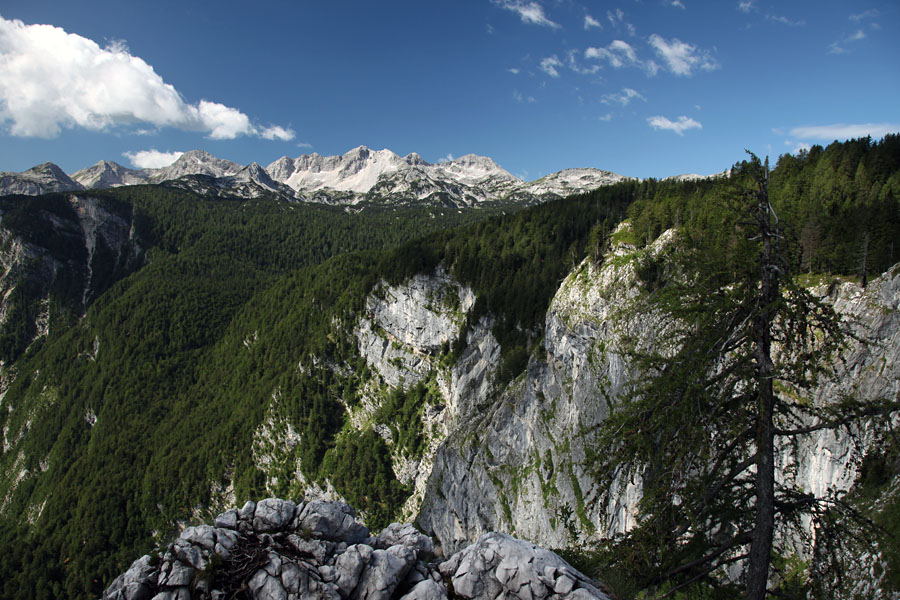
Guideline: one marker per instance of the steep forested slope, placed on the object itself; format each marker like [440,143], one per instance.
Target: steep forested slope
[240,327]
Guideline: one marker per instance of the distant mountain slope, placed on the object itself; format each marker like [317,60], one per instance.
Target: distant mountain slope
[41,179]
[360,176]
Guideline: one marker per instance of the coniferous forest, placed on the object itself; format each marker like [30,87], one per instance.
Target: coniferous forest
[178,352]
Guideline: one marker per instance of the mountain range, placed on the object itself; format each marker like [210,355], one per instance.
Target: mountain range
[358,176]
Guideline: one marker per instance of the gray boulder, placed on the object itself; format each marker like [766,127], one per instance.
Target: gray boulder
[333,521]
[498,565]
[273,514]
[406,535]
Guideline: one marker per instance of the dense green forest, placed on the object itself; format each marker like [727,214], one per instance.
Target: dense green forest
[241,307]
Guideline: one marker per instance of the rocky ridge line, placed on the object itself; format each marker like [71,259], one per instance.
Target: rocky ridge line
[278,550]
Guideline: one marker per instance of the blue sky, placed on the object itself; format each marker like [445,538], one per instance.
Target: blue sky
[646,88]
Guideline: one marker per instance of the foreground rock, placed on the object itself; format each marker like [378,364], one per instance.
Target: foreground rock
[279,550]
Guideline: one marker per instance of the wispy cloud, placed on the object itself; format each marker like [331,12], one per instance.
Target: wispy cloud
[304,145]
[50,80]
[514,70]
[590,22]
[151,159]
[677,4]
[551,65]
[844,131]
[682,58]
[840,46]
[786,21]
[618,54]
[521,98]
[745,6]
[680,126]
[865,15]
[276,132]
[531,13]
[624,97]
[606,117]
[572,63]
[617,20]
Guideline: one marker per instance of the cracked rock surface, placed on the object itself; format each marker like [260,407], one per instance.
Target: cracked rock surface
[279,550]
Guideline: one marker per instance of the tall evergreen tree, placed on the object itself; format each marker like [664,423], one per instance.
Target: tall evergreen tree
[705,425]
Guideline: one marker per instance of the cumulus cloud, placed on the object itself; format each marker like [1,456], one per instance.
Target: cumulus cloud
[624,97]
[590,22]
[550,66]
[682,58]
[680,126]
[844,131]
[151,159]
[51,79]
[531,13]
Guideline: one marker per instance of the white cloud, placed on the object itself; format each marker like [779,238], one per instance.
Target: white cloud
[745,6]
[682,58]
[677,4]
[572,62]
[618,54]
[590,22]
[803,146]
[606,117]
[838,47]
[445,159]
[617,20]
[550,65]
[276,132]
[623,97]
[868,14]
[304,145]
[531,13]
[151,159]
[514,70]
[50,80]
[786,21]
[844,131]
[680,126]
[521,98]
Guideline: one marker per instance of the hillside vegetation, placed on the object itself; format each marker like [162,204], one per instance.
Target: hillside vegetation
[140,414]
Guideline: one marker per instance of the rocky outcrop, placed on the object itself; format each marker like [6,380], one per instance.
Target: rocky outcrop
[278,550]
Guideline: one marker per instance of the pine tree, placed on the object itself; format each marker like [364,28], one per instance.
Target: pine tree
[714,406]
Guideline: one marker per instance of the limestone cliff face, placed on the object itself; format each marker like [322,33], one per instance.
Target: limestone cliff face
[521,463]
[518,458]
[63,252]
